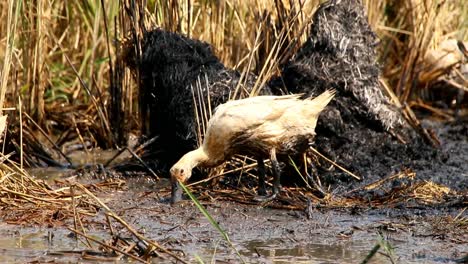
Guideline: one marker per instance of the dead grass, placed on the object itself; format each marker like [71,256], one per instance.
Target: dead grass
[25,200]
[410,30]
[410,193]
[57,57]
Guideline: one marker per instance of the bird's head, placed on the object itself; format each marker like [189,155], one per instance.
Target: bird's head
[181,171]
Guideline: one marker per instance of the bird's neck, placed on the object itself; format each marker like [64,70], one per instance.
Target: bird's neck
[196,157]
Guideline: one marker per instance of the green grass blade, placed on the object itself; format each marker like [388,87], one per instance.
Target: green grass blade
[199,259]
[299,172]
[211,220]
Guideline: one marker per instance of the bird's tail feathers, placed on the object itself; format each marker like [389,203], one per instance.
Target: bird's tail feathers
[318,103]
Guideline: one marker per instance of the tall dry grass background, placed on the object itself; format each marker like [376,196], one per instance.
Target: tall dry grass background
[56,57]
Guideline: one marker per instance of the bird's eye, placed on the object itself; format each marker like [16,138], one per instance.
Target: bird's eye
[181,170]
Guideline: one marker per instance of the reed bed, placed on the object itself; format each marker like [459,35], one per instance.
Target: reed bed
[61,60]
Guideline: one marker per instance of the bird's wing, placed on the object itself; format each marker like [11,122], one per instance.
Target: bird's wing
[253,111]
[258,119]
[257,115]
[255,102]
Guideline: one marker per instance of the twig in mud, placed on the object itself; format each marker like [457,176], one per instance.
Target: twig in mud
[148,168]
[414,121]
[108,246]
[155,176]
[78,133]
[77,219]
[373,185]
[317,184]
[334,163]
[460,215]
[145,144]
[24,195]
[4,157]
[129,228]
[136,149]
[70,163]
[111,229]
[433,110]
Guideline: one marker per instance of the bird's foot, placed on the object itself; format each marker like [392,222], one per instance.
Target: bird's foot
[262,191]
[265,198]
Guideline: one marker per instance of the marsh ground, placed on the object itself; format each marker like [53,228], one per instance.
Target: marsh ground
[417,234]
[262,235]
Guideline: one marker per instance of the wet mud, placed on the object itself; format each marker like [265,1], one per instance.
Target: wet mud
[260,234]
[267,235]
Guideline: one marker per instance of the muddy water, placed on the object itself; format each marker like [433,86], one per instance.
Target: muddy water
[274,250]
[273,236]
[28,244]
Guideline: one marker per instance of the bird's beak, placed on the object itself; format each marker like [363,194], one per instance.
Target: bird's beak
[176,194]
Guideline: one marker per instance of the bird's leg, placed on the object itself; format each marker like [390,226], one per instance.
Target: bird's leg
[261,177]
[276,179]
[176,194]
[276,173]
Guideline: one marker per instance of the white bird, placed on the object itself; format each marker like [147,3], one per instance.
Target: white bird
[261,127]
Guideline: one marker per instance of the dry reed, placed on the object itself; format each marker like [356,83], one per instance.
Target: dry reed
[58,56]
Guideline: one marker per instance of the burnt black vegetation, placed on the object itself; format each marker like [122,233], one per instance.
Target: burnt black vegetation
[176,71]
[360,129]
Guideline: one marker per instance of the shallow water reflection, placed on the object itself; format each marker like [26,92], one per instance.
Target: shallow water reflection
[274,251]
[37,245]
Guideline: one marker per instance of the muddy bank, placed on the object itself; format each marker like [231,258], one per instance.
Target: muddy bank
[449,165]
[270,235]
[261,235]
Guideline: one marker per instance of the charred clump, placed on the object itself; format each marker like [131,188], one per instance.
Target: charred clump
[356,128]
[175,71]
[180,78]
[340,53]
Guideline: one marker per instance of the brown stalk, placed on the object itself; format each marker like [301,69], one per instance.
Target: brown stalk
[335,164]
[122,222]
[108,246]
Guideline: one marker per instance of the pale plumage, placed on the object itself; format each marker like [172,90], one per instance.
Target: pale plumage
[261,127]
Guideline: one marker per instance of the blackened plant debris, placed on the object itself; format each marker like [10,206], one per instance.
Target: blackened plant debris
[182,81]
[360,128]
[340,53]
[177,75]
